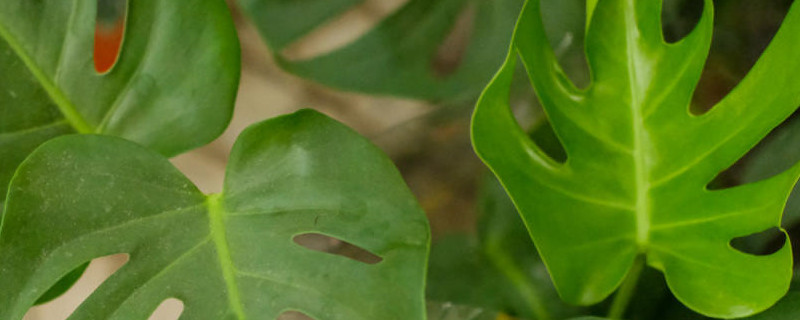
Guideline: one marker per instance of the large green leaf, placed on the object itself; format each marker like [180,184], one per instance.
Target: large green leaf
[638,162]
[395,57]
[229,255]
[172,88]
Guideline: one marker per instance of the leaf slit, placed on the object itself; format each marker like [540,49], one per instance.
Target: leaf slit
[294,315]
[324,243]
[169,309]
[109,33]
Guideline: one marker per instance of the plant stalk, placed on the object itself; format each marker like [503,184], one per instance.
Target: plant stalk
[625,292]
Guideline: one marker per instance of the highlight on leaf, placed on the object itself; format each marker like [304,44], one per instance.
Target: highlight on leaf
[633,187]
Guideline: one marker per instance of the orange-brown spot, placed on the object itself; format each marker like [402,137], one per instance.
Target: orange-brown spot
[107,44]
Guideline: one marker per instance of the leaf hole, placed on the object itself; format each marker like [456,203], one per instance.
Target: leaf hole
[324,243]
[531,117]
[760,243]
[768,158]
[679,18]
[169,309]
[742,31]
[342,30]
[564,23]
[109,31]
[451,51]
[294,315]
[96,273]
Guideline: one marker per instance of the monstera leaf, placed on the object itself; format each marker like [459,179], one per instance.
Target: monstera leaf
[638,162]
[395,57]
[225,256]
[157,93]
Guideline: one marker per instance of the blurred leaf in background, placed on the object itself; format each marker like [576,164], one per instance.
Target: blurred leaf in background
[399,56]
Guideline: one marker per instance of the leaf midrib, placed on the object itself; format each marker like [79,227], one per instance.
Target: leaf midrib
[64,105]
[639,133]
[216,216]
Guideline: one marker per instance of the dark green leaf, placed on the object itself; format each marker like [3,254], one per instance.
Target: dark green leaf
[396,57]
[225,256]
[638,162]
[172,88]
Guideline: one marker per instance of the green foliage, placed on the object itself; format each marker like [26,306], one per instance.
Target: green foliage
[172,88]
[498,269]
[638,162]
[396,57]
[228,255]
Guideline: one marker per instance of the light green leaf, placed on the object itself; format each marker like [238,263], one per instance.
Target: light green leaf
[638,162]
[395,57]
[225,256]
[172,88]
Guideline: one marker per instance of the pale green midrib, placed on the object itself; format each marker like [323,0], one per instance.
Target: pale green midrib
[216,216]
[639,135]
[66,107]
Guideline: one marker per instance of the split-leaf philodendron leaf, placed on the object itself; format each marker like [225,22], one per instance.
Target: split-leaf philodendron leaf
[396,57]
[172,88]
[225,256]
[638,162]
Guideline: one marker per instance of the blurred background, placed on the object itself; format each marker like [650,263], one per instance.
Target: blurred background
[482,261]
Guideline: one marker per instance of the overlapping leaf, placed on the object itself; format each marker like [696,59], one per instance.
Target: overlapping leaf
[172,88]
[225,256]
[395,57]
[638,162]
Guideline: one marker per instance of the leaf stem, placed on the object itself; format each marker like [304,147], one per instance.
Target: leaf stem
[625,292]
[521,282]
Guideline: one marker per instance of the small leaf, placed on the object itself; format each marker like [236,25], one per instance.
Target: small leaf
[638,162]
[172,88]
[396,56]
[225,256]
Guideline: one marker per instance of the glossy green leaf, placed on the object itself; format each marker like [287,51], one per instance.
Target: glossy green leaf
[397,56]
[172,89]
[225,256]
[638,162]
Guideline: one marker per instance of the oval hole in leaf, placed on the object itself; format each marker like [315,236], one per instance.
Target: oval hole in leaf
[62,285]
[565,24]
[679,18]
[339,32]
[109,32]
[451,51]
[742,31]
[531,118]
[169,309]
[294,315]
[98,271]
[761,243]
[324,243]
